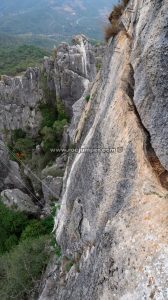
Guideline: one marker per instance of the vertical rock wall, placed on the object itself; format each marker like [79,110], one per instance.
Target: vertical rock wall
[112,225]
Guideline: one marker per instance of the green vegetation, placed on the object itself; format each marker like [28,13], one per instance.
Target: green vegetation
[49,115]
[58,127]
[87,98]
[43,41]
[25,248]
[12,225]
[24,145]
[61,111]
[38,40]
[18,134]
[16,226]
[16,59]
[69,265]
[22,268]
[36,228]
[52,126]
[98,66]
[20,145]
[54,118]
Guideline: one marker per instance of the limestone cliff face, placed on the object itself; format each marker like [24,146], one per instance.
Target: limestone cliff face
[63,77]
[19,99]
[73,68]
[67,74]
[112,225]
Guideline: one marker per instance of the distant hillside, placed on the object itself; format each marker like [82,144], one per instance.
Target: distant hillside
[15,58]
[29,29]
[61,19]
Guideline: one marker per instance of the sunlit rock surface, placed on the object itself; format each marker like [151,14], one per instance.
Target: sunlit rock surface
[112,225]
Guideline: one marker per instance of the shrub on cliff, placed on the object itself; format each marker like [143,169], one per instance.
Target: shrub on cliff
[18,134]
[61,111]
[58,127]
[16,226]
[116,12]
[37,228]
[113,29]
[125,2]
[12,224]
[24,145]
[49,115]
[52,125]
[20,145]
[25,246]
[48,138]
[52,136]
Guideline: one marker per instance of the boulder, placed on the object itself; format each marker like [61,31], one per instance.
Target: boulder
[20,201]
[57,169]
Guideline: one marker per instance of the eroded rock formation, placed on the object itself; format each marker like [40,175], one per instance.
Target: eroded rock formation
[112,225]
[72,69]
[63,77]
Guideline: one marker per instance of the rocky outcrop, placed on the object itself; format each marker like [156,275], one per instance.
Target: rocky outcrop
[150,57]
[10,176]
[74,67]
[18,200]
[51,187]
[63,77]
[52,182]
[19,100]
[112,225]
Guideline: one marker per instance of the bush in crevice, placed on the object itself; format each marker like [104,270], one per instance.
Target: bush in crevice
[61,111]
[49,115]
[20,145]
[113,29]
[24,145]
[18,134]
[125,2]
[52,126]
[87,98]
[116,12]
